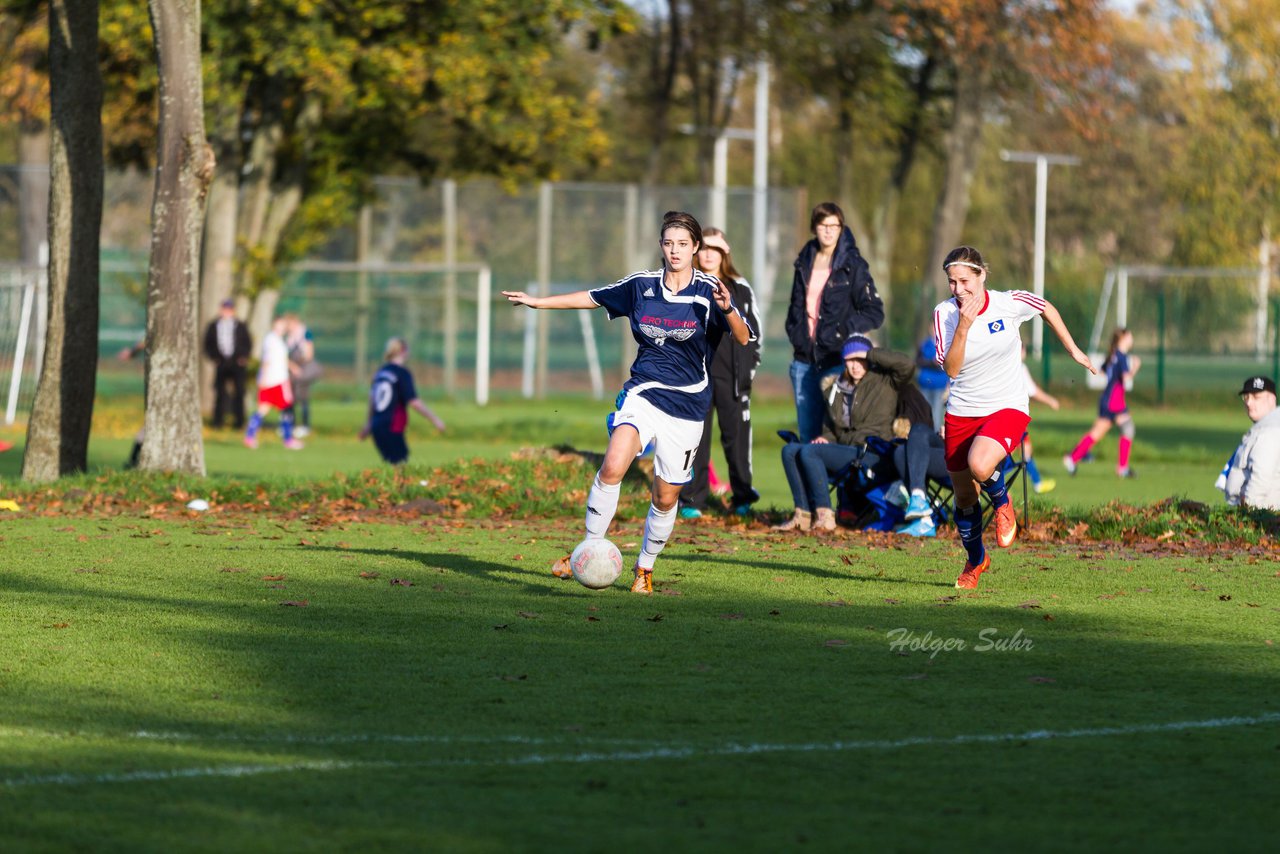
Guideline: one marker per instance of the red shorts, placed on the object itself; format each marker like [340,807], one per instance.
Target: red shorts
[279,396]
[1006,426]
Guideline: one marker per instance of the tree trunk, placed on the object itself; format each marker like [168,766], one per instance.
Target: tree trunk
[58,432]
[33,189]
[963,145]
[217,268]
[184,169]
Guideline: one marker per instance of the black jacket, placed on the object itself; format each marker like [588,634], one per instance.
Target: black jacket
[850,304]
[734,362]
[855,412]
[243,343]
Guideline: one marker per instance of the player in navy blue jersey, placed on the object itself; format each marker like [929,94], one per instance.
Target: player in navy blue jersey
[678,315]
[390,399]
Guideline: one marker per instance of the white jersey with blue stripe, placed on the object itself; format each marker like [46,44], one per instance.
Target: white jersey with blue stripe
[677,334]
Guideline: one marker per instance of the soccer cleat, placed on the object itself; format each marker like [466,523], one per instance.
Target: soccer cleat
[644,581]
[968,579]
[1069,464]
[1006,525]
[560,569]
[922,527]
[918,508]
[689,512]
[251,442]
[293,445]
[1045,485]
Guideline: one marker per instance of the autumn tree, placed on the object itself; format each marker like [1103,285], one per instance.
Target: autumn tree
[58,432]
[184,167]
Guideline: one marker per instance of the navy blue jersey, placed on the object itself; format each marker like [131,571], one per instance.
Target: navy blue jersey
[389,398]
[677,335]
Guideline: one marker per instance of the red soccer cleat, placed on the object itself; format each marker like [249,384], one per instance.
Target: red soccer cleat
[1006,525]
[644,581]
[968,579]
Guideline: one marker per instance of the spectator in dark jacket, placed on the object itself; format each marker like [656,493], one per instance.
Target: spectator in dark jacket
[733,368]
[832,297]
[861,402]
[228,344]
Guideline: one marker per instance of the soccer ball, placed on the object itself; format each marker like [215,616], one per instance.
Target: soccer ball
[596,563]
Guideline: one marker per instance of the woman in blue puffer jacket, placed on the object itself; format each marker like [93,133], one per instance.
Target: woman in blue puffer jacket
[832,297]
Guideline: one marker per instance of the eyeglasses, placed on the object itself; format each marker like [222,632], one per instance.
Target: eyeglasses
[828,226]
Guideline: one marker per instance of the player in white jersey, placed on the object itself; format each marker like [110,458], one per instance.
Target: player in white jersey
[678,315]
[978,345]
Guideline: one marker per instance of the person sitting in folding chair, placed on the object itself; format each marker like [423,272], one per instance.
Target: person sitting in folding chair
[917,460]
[861,402]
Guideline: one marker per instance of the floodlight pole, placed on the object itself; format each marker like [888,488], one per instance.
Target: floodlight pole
[1042,162]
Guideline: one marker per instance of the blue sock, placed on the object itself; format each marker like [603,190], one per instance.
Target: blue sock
[969,523]
[286,425]
[1033,471]
[255,422]
[995,489]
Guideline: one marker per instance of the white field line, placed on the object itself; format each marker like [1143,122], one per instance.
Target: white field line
[730,749]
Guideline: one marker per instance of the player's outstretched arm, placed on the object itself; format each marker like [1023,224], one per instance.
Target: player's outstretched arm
[1059,328]
[577,299]
[427,413]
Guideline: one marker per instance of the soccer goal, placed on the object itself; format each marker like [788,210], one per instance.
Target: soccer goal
[22,293]
[1198,322]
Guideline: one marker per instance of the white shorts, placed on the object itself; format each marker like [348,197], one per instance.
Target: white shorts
[675,440]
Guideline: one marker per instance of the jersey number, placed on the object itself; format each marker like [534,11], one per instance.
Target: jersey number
[382,394]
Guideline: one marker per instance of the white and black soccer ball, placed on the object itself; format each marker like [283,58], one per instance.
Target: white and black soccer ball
[596,563]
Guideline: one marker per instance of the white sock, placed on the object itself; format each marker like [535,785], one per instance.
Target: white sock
[658,526]
[602,503]
[919,493]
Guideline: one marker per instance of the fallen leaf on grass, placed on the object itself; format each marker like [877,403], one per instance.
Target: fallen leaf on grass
[916,676]
[528,615]
[1224,598]
[517,557]
[296,603]
[232,569]
[847,559]
[656,618]
[368,574]
[520,678]
[836,642]
[273,577]
[59,626]
[667,591]
[307,543]
[835,603]
[1048,618]
[1030,604]
[500,627]
[87,569]
[775,612]
[401,582]
[1041,680]
[892,602]
[731,616]
[591,619]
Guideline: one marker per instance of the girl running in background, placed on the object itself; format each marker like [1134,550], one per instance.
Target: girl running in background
[678,315]
[976,332]
[1120,369]
[392,396]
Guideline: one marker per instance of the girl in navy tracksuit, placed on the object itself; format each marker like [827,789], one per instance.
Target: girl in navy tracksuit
[390,398]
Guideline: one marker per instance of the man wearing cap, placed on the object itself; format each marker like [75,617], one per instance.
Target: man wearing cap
[861,402]
[1253,475]
[228,343]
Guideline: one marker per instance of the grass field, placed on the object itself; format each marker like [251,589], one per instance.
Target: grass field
[264,681]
